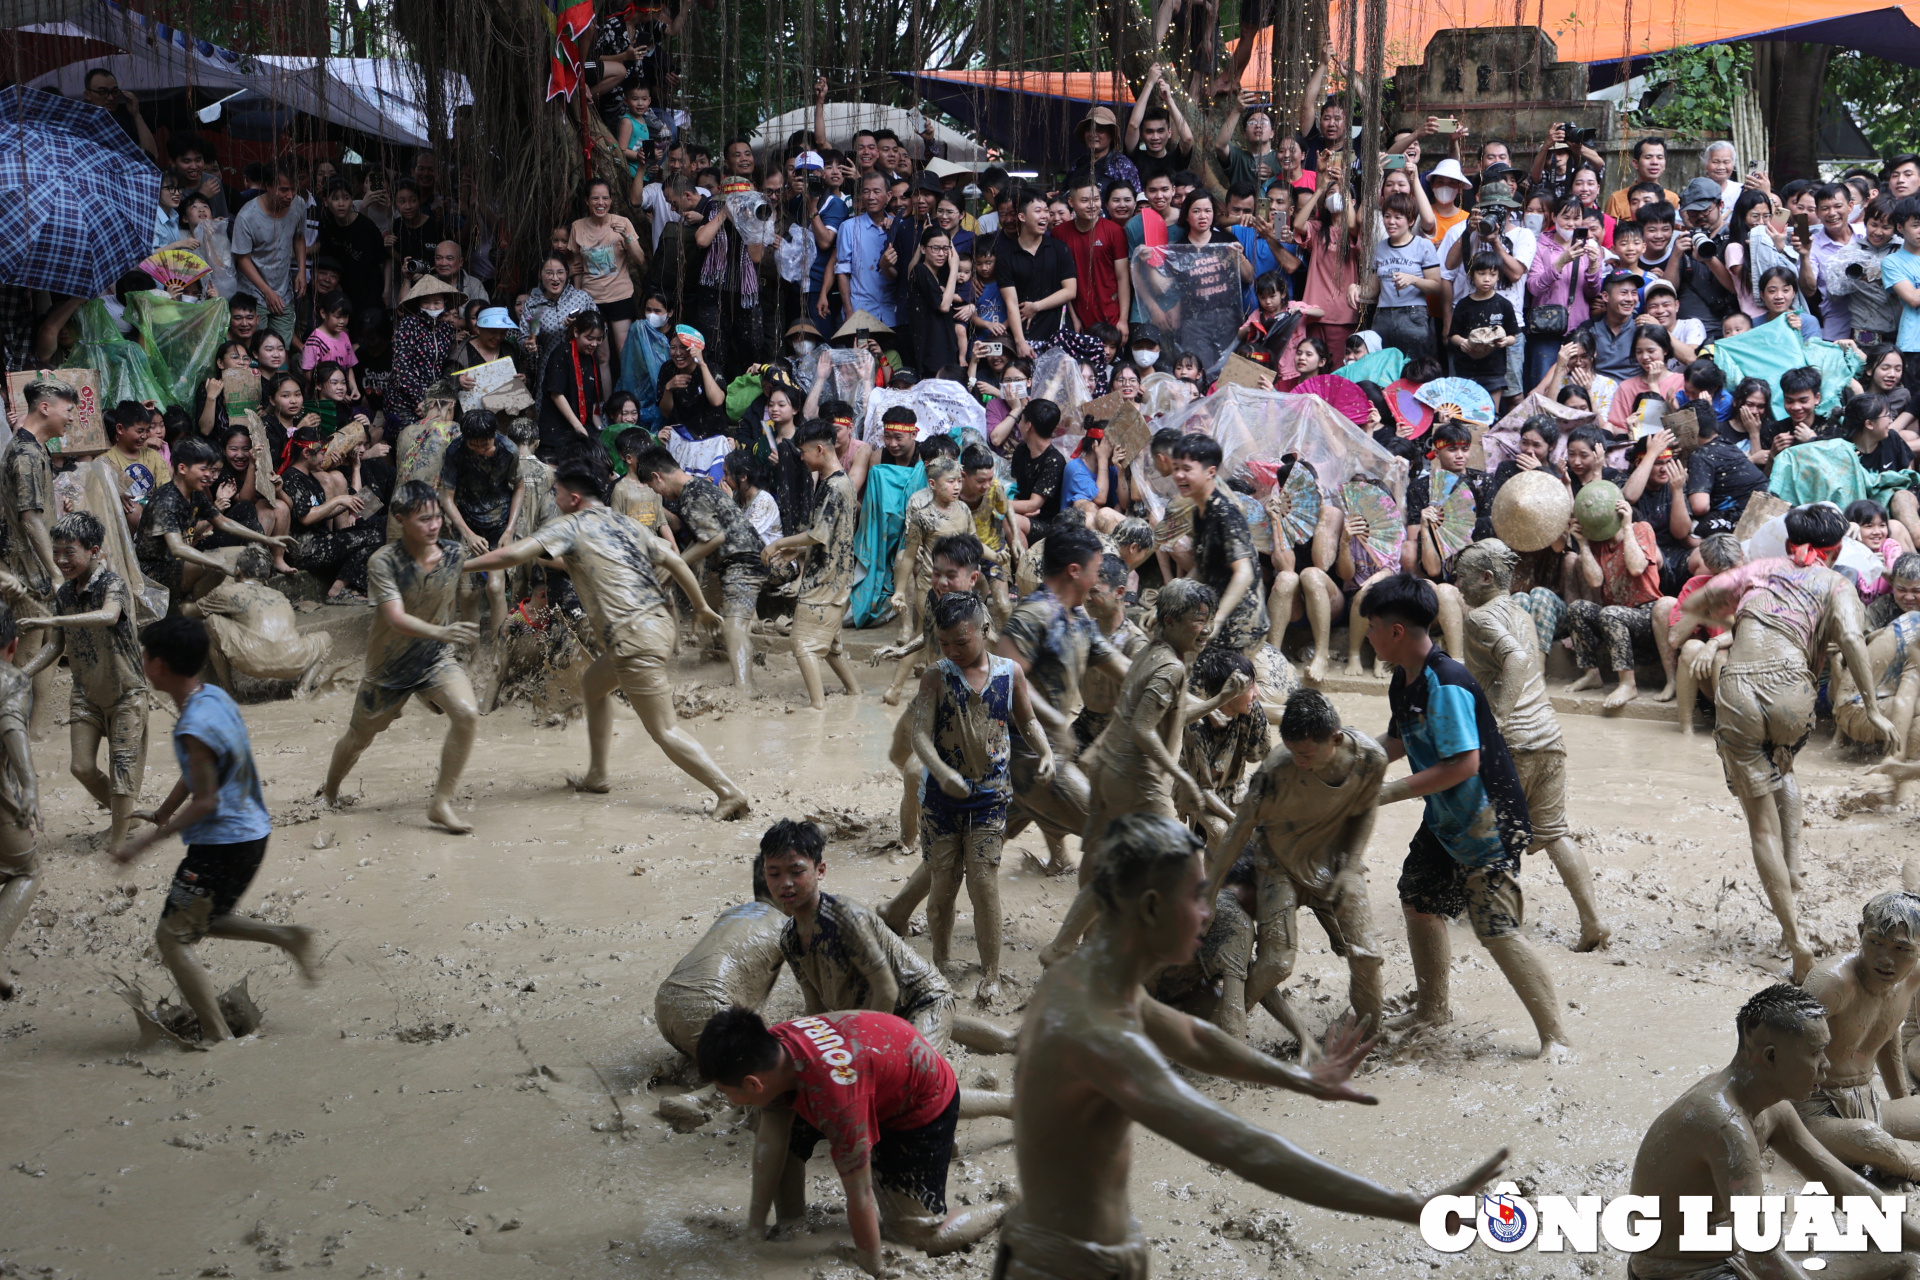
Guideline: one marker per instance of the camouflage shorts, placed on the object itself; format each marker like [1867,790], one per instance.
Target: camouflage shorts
[1433,883]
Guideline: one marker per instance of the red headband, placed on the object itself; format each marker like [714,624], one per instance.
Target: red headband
[1804,554]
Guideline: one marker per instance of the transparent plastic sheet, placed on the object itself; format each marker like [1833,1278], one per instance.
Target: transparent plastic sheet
[1502,440]
[852,378]
[1162,393]
[100,496]
[124,369]
[1058,377]
[1264,427]
[180,338]
[1192,293]
[754,217]
[938,405]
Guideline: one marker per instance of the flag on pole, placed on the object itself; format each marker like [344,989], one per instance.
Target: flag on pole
[567,22]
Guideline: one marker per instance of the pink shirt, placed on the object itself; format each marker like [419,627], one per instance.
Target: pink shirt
[322,345]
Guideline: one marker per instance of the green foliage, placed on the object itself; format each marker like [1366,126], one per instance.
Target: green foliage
[1880,96]
[1690,90]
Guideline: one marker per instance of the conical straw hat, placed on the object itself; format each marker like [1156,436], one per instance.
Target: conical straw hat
[1531,510]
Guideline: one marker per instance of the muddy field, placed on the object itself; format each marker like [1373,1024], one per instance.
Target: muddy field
[470,1092]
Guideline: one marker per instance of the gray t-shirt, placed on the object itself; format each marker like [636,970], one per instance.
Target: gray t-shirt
[1413,257]
[270,242]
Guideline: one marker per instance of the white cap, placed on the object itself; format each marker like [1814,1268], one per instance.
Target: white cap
[808,160]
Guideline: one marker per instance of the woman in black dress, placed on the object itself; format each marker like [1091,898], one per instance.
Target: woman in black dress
[935,283]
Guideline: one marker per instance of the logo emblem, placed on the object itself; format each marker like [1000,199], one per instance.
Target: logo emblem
[1506,1218]
[844,1075]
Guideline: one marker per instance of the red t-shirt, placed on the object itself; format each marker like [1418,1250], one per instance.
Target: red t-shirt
[1617,585]
[861,1073]
[1094,253]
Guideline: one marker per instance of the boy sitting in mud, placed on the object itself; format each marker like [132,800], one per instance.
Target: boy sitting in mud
[252,627]
[1866,995]
[1709,1144]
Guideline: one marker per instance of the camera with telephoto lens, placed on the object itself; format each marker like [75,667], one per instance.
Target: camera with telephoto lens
[1493,222]
[760,212]
[1856,271]
[1706,249]
[1577,137]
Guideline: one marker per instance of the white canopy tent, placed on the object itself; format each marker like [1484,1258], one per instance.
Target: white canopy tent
[844,119]
[376,96]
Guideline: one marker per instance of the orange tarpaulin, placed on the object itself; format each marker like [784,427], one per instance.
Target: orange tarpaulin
[1597,31]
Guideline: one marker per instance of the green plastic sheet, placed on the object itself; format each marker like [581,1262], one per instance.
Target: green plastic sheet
[180,339]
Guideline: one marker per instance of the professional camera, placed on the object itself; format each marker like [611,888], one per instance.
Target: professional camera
[417,266]
[1706,249]
[1577,137]
[1493,221]
[1856,271]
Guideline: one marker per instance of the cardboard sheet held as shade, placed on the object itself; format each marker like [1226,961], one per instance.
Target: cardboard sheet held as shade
[487,378]
[88,431]
[1125,427]
[242,387]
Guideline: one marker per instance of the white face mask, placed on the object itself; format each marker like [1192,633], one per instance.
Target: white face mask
[432,313]
[657,320]
[1334,203]
[802,346]
[1145,359]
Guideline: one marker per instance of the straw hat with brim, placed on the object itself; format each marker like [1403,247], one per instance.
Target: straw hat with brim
[799,327]
[426,287]
[941,167]
[862,320]
[1596,508]
[1531,510]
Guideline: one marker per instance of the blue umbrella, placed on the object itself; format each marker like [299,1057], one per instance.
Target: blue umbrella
[77,196]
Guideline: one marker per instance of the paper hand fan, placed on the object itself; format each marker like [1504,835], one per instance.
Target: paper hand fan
[1457,511]
[1368,500]
[1412,419]
[1459,399]
[1295,502]
[175,266]
[1344,396]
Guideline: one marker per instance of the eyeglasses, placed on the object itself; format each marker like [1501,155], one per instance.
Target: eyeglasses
[104,91]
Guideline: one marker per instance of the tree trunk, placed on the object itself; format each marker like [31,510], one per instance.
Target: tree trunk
[1791,80]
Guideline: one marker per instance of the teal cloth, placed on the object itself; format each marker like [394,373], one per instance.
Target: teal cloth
[1830,471]
[1775,347]
[883,518]
[1381,367]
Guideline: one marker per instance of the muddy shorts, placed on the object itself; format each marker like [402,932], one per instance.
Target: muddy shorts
[740,585]
[816,629]
[1841,1102]
[953,840]
[1028,1252]
[207,884]
[1763,715]
[123,724]
[1058,808]
[1342,908]
[377,706]
[1113,793]
[1732,1267]
[1543,777]
[1433,883]
[1088,725]
[933,1019]
[636,663]
[682,1015]
[911,1163]
[19,851]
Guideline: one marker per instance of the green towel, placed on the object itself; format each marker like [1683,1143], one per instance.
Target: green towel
[1381,367]
[1773,348]
[1830,471]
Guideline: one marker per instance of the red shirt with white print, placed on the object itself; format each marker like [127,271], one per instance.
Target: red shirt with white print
[861,1073]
